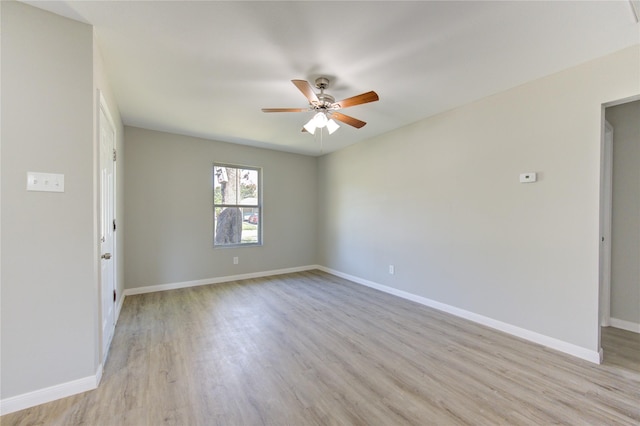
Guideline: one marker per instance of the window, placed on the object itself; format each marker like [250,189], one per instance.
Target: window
[236,205]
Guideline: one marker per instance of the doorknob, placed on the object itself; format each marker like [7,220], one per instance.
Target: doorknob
[106,256]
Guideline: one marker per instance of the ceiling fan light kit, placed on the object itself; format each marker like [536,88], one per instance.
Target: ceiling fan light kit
[325,106]
[320,121]
[332,126]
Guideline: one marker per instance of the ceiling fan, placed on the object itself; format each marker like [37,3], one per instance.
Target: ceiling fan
[326,107]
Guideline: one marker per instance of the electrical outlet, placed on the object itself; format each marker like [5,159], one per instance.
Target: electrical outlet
[528,177]
[235,260]
[392,269]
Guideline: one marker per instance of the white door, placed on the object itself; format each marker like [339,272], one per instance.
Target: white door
[107,237]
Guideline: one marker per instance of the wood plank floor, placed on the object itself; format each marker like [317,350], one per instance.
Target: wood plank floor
[313,349]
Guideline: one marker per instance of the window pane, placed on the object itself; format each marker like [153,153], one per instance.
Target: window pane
[249,187]
[236,202]
[228,227]
[250,227]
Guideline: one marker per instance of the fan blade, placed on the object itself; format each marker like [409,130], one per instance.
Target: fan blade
[348,120]
[357,100]
[306,90]
[285,109]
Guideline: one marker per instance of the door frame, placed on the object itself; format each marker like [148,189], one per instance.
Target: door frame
[606,206]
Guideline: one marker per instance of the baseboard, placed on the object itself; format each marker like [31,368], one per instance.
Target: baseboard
[624,325]
[99,375]
[119,306]
[42,396]
[216,280]
[541,339]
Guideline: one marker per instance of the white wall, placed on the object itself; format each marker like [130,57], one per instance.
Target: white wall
[625,241]
[169,209]
[440,200]
[49,288]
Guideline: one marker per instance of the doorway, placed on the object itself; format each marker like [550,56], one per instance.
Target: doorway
[620,218]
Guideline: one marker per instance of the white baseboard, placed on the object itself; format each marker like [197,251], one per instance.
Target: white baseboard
[99,375]
[216,280]
[42,396]
[119,306]
[625,325]
[541,339]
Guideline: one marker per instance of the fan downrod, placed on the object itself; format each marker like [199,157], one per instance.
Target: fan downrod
[325,99]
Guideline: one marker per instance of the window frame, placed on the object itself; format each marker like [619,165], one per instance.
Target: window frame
[258,206]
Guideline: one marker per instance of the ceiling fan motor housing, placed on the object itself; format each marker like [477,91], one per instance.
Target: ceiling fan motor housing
[325,100]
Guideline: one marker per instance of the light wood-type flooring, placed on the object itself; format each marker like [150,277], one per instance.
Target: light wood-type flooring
[313,349]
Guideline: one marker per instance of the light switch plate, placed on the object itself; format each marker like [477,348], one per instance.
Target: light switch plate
[45,182]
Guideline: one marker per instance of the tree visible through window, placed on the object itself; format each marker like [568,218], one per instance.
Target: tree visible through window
[236,205]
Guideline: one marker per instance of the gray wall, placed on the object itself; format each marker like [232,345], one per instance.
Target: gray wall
[169,213]
[441,200]
[625,229]
[49,287]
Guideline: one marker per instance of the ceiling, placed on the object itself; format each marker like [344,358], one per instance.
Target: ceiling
[206,68]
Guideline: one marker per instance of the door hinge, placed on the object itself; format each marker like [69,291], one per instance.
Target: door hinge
[114,155]
[114,225]
[114,295]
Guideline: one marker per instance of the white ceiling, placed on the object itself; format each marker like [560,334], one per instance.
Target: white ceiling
[206,68]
